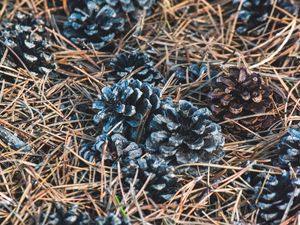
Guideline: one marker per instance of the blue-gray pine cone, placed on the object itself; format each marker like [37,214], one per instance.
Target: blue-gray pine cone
[111,219]
[162,184]
[274,193]
[191,73]
[134,65]
[95,25]
[125,106]
[289,148]
[70,215]
[133,7]
[183,133]
[119,151]
[28,45]
[255,13]
[117,148]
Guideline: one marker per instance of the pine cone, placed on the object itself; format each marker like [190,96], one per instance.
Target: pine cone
[241,94]
[133,7]
[162,184]
[183,133]
[72,215]
[274,193]
[255,13]
[192,73]
[26,38]
[134,65]
[125,105]
[289,148]
[95,25]
[111,219]
[117,148]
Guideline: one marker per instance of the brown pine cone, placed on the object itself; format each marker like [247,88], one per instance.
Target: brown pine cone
[239,94]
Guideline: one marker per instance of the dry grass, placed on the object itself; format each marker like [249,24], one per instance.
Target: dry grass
[49,113]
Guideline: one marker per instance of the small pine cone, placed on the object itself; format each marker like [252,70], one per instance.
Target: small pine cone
[94,25]
[72,215]
[116,148]
[111,219]
[289,148]
[185,134]
[162,184]
[255,13]
[125,106]
[274,193]
[134,65]
[29,47]
[239,94]
[191,73]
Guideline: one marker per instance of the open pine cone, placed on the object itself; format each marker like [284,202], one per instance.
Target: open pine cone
[134,65]
[125,106]
[183,133]
[240,94]
[289,148]
[27,43]
[119,151]
[255,13]
[274,192]
[94,25]
[162,184]
[116,148]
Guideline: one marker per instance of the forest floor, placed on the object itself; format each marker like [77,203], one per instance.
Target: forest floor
[53,115]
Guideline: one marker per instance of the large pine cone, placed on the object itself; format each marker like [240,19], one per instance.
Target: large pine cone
[185,134]
[28,45]
[134,65]
[125,107]
[289,148]
[274,193]
[255,13]
[239,94]
[162,184]
[71,215]
[94,25]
